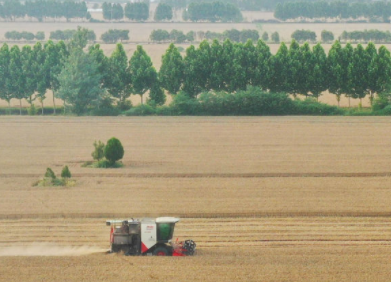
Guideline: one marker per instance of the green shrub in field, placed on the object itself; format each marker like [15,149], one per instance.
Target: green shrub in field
[65,173]
[49,173]
[141,110]
[99,151]
[32,111]
[312,107]
[183,104]
[50,179]
[113,151]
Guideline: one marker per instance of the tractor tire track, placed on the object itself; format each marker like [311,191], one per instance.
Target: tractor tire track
[342,214]
[209,175]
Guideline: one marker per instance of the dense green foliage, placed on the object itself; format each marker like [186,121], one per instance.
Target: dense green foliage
[65,172]
[112,11]
[275,37]
[15,35]
[115,35]
[79,82]
[176,36]
[163,12]
[49,173]
[372,11]
[99,150]
[43,9]
[113,150]
[69,33]
[326,36]
[304,35]
[89,82]
[245,5]
[373,35]
[138,11]
[233,35]
[212,12]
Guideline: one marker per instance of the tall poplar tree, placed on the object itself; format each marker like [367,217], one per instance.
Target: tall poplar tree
[79,82]
[143,73]
[278,70]
[29,73]
[318,81]
[372,70]
[119,80]
[5,80]
[358,72]
[263,55]
[218,66]
[229,70]
[337,73]
[171,72]
[42,82]
[55,55]
[306,69]
[17,77]
[294,68]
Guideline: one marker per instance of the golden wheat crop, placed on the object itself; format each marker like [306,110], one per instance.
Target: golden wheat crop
[265,198]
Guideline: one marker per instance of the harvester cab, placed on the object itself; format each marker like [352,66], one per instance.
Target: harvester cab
[148,236]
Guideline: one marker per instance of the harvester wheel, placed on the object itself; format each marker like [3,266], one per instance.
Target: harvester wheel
[160,251]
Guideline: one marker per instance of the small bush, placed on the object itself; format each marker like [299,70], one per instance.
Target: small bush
[312,107]
[65,173]
[50,174]
[32,111]
[113,151]
[99,151]
[141,110]
[183,104]
[106,108]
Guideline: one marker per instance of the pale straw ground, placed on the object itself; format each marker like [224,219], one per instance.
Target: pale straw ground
[265,198]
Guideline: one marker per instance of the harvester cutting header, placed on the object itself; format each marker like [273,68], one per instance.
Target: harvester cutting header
[148,236]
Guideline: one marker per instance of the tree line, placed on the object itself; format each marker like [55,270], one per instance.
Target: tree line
[298,70]
[43,9]
[244,5]
[373,35]
[137,11]
[177,36]
[25,35]
[85,80]
[215,11]
[212,12]
[373,11]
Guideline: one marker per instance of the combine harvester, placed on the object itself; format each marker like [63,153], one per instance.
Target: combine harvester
[148,236]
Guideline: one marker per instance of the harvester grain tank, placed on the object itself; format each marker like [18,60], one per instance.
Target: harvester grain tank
[148,236]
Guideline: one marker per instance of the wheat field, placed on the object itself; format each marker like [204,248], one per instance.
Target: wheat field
[265,198]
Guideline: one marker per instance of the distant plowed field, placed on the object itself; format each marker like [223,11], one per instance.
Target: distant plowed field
[265,198]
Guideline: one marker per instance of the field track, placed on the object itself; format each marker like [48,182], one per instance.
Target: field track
[210,175]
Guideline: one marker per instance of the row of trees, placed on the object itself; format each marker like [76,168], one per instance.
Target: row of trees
[43,9]
[232,34]
[244,5]
[333,9]
[372,35]
[212,12]
[304,35]
[354,72]
[68,34]
[90,79]
[366,36]
[174,35]
[115,35]
[137,11]
[25,35]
